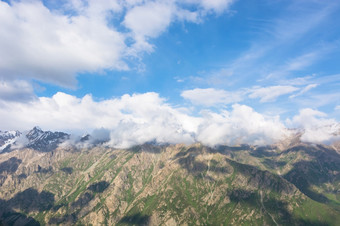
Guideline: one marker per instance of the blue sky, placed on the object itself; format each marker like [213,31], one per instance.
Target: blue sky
[280,59]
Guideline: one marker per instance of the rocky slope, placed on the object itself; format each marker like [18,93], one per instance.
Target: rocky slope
[291,184]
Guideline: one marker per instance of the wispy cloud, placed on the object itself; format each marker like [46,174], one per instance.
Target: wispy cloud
[211,97]
[271,93]
[302,61]
[280,49]
[317,100]
[304,90]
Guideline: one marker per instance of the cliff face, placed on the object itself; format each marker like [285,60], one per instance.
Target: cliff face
[172,185]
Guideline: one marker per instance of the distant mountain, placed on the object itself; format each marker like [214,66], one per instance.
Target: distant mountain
[7,138]
[36,139]
[85,138]
[289,183]
[45,140]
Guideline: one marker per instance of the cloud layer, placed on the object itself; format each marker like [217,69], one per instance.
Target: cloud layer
[139,118]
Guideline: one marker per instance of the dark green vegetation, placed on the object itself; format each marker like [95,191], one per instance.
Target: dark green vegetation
[172,185]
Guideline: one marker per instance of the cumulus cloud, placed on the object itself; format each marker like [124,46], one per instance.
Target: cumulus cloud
[271,93]
[241,125]
[211,96]
[317,127]
[38,43]
[148,20]
[53,42]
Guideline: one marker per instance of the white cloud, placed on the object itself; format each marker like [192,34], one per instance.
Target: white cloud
[150,19]
[268,94]
[241,125]
[317,127]
[216,5]
[38,43]
[211,97]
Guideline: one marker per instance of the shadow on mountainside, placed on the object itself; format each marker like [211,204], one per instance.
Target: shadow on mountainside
[82,201]
[30,200]
[10,166]
[148,147]
[256,178]
[136,219]
[323,167]
[226,149]
[275,211]
[304,175]
[27,201]
[99,187]
[68,170]
[264,151]
[262,179]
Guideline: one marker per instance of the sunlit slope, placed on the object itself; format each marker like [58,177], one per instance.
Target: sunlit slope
[172,184]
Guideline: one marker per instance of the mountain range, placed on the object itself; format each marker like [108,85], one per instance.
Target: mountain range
[36,139]
[45,183]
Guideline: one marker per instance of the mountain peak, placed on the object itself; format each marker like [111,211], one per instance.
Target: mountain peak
[45,140]
[37,128]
